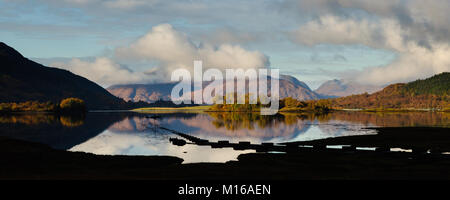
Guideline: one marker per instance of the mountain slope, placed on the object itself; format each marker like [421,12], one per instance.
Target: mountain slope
[292,87]
[430,93]
[289,86]
[23,80]
[341,88]
[438,84]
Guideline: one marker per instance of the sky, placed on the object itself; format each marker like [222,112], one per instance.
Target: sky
[143,41]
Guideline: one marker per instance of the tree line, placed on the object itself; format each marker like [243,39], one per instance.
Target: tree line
[66,106]
[287,104]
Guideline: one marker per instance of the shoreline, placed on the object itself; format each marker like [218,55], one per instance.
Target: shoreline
[206,109]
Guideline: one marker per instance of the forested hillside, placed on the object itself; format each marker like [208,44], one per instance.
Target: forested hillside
[430,93]
[438,84]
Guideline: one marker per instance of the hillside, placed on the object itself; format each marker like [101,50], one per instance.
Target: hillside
[24,80]
[430,93]
[289,87]
[292,87]
[438,84]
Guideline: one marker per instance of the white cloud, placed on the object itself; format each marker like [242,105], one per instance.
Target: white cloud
[331,29]
[103,71]
[170,49]
[414,60]
[173,50]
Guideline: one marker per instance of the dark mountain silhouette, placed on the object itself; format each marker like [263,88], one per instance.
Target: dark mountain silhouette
[289,87]
[23,80]
[430,93]
[341,88]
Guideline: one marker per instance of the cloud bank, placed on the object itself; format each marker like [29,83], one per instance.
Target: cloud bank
[414,30]
[171,50]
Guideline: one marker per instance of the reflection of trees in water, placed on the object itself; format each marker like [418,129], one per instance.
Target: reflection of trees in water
[43,118]
[335,123]
[293,117]
[380,118]
[391,119]
[240,120]
[28,119]
[72,120]
[54,130]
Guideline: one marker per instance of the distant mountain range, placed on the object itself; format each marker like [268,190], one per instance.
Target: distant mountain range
[430,93]
[142,92]
[342,88]
[23,80]
[289,87]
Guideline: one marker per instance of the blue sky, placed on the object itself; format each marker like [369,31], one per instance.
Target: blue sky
[380,42]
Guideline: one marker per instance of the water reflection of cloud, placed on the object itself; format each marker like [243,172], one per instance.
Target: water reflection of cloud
[133,124]
[277,131]
[321,131]
[111,143]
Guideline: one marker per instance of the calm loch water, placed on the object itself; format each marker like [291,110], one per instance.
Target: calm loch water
[127,133]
